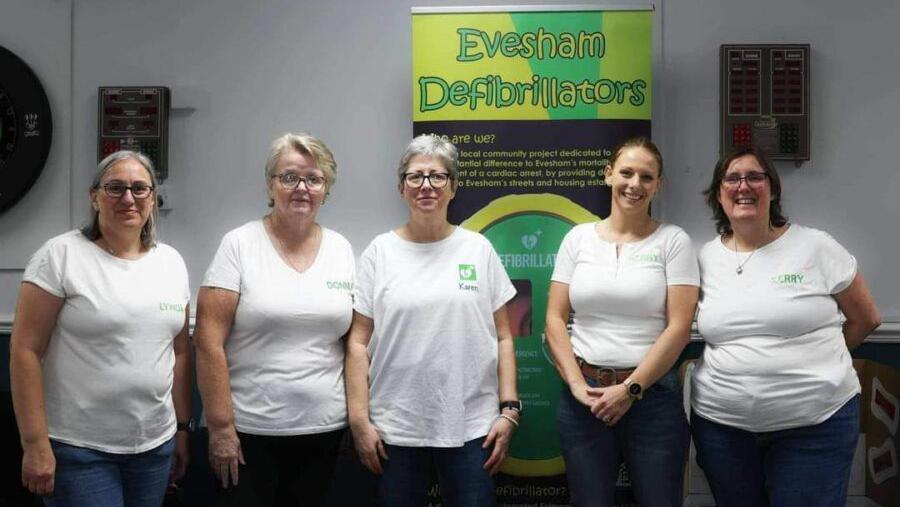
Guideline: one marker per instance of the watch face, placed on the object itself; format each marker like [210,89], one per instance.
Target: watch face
[634,389]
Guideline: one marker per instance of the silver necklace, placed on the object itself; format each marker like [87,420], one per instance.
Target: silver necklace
[740,265]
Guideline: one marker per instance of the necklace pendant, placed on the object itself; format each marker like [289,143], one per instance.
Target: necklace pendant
[739,270]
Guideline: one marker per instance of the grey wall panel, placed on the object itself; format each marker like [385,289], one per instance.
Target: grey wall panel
[342,70]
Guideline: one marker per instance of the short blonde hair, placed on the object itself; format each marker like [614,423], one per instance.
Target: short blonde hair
[308,145]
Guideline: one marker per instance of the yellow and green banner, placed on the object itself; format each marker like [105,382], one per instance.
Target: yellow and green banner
[535,100]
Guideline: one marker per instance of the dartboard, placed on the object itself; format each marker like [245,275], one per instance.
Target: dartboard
[25,128]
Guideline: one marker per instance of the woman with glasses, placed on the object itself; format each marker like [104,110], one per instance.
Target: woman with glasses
[431,375]
[775,397]
[632,283]
[274,306]
[100,362]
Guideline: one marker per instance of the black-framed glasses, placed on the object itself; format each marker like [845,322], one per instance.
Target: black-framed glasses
[436,180]
[117,189]
[290,181]
[754,179]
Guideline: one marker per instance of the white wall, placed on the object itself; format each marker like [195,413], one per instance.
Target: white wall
[40,35]
[342,70]
[850,186]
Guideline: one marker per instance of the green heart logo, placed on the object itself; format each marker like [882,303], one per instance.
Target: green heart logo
[467,272]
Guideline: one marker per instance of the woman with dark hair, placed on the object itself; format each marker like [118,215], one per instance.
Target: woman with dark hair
[775,397]
[632,283]
[100,362]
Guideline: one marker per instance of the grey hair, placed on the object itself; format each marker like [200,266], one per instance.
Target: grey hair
[432,146]
[148,231]
[308,145]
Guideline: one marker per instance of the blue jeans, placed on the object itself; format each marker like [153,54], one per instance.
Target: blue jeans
[460,471]
[85,477]
[652,438]
[809,465]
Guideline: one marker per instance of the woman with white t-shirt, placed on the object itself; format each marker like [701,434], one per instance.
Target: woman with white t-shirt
[632,284]
[775,397]
[100,359]
[275,304]
[431,374]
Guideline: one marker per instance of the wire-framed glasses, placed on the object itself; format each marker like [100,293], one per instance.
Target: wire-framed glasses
[753,179]
[292,180]
[117,189]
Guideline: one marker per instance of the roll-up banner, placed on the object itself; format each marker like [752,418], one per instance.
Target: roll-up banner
[535,98]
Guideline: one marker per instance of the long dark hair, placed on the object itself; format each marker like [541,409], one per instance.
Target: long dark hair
[723,225]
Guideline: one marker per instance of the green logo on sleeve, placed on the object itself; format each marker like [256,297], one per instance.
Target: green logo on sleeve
[339,285]
[467,273]
[788,279]
[171,307]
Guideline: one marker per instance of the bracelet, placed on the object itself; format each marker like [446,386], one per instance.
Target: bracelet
[510,419]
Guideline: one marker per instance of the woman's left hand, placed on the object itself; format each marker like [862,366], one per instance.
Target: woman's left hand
[499,436]
[610,403]
[182,456]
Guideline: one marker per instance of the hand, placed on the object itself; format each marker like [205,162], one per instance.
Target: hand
[38,468]
[585,394]
[610,403]
[369,446]
[499,437]
[182,456]
[225,454]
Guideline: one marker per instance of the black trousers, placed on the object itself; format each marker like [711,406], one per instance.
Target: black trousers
[283,470]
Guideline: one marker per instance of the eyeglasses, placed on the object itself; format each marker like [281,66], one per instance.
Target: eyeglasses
[290,181]
[754,179]
[117,189]
[436,180]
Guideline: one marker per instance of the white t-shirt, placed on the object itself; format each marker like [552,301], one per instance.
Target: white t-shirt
[775,355]
[433,353]
[109,366]
[619,300]
[285,354]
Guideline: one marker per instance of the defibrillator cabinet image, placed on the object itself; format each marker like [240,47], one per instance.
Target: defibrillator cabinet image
[135,118]
[764,99]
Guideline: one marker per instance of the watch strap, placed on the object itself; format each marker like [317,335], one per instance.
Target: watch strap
[512,405]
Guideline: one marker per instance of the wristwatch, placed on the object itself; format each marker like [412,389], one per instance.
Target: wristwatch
[634,389]
[511,404]
[188,426]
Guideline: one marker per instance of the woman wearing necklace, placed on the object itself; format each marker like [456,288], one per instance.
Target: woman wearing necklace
[632,283]
[100,359]
[775,397]
[272,311]
[431,372]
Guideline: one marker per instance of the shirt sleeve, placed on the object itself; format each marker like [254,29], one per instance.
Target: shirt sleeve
[502,289]
[837,264]
[681,261]
[224,271]
[45,269]
[364,287]
[565,257]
